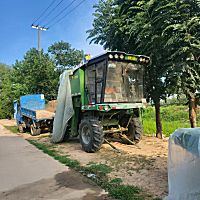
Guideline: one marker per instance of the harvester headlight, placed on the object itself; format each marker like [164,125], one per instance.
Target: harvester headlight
[110,56]
[106,108]
[144,59]
[147,61]
[116,56]
[141,59]
[122,56]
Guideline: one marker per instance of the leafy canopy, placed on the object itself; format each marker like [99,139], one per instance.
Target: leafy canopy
[65,56]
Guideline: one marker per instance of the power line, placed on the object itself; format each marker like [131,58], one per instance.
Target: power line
[52,9]
[50,26]
[65,8]
[44,12]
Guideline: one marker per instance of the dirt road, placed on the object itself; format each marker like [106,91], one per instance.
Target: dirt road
[143,165]
[26,174]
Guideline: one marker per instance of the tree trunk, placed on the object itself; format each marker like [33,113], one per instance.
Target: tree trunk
[158,120]
[192,111]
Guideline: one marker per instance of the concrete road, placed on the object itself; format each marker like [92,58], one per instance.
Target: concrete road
[28,174]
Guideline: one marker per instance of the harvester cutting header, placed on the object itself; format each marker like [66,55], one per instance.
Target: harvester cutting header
[101,97]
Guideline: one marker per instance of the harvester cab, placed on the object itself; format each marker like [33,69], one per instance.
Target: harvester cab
[107,95]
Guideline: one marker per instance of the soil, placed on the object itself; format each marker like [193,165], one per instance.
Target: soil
[44,114]
[143,165]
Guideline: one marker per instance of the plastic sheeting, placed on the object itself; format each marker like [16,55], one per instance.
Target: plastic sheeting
[64,109]
[184,165]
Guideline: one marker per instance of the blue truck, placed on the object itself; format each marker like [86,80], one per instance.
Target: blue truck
[31,114]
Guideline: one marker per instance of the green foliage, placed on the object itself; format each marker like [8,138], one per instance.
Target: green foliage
[35,74]
[124,192]
[9,92]
[173,117]
[182,38]
[116,181]
[4,69]
[13,129]
[167,31]
[74,164]
[65,56]
[99,168]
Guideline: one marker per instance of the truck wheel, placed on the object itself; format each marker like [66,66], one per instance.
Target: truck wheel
[67,133]
[21,128]
[91,135]
[135,130]
[35,131]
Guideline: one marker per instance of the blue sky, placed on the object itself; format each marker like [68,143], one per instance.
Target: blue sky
[17,36]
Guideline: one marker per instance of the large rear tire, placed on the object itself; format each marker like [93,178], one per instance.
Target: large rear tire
[135,130]
[35,131]
[91,135]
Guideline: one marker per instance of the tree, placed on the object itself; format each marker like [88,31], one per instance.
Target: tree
[167,31]
[182,38]
[129,26]
[4,69]
[10,91]
[65,56]
[36,72]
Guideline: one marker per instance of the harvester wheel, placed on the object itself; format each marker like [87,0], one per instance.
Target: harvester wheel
[35,131]
[135,130]
[91,135]
[21,128]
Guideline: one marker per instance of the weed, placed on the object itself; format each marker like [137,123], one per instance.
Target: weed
[124,192]
[13,129]
[116,181]
[99,168]
[74,164]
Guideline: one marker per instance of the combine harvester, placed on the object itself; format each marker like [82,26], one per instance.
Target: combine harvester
[102,97]
[31,114]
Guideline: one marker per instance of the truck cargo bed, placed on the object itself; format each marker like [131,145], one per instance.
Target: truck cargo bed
[37,114]
[44,114]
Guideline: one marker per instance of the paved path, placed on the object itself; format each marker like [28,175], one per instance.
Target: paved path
[28,174]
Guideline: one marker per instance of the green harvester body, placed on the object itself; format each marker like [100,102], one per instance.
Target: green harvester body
[107,96]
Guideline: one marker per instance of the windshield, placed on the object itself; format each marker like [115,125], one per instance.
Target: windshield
[124,82]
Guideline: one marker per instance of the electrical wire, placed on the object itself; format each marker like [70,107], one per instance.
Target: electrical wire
[50,26]
[65,8]
[51,11]
[44,12]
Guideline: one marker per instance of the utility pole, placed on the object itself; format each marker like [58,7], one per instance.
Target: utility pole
[39,28]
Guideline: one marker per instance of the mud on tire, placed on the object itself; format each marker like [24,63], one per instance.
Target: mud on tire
[91,135]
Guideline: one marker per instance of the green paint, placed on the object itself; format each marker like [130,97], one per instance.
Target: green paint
[75,83]
[82,85]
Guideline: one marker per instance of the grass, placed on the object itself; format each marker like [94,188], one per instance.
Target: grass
[48,149]
[114,187]
[12,129]
[173,117]
[100,169]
